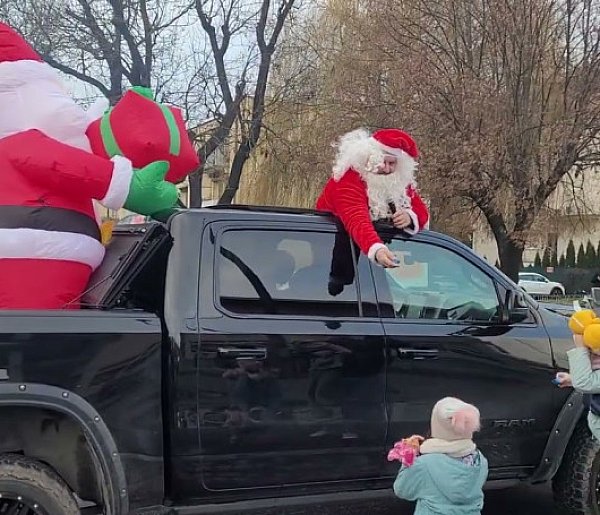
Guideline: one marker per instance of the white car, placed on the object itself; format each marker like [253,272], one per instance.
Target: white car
[537,284]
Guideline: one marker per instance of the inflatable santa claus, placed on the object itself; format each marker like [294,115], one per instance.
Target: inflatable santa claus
[373,179]
[49,179]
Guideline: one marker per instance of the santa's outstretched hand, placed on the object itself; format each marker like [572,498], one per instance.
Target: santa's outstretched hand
[373,179]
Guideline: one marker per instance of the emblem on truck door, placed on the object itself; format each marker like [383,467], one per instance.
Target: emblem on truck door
[524,423]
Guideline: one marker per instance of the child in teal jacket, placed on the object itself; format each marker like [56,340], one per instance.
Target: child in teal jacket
[585,378]
[447,477]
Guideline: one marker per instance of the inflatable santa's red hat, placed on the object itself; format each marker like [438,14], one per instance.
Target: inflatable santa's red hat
[143,131]
[13,47]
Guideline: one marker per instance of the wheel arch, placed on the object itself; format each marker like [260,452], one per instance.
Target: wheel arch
[569,416]
[103,452]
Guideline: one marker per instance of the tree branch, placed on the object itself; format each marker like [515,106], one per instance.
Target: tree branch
[138,75]
[77,74]
[218,51]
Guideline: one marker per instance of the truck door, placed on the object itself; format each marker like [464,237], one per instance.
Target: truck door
[290,377]
[441,312]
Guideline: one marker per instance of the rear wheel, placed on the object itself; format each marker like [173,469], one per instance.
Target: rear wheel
[28,487]
[576,485]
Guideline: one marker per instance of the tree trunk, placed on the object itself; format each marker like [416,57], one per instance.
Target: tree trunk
[510,248]
[195,180]
[511,257]
[237,167]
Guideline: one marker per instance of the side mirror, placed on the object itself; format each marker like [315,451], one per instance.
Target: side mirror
[515,308]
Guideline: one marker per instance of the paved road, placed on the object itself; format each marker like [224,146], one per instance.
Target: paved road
[515,501]
[520,501]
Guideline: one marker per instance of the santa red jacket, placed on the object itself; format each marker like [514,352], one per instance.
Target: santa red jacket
[347,199]
[49,236]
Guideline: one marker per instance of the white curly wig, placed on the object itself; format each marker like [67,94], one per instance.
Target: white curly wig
[359,151]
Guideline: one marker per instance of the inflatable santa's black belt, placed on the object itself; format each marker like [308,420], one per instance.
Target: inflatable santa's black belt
[48,219]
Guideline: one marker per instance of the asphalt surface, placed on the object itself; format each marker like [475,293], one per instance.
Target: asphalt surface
[514,501]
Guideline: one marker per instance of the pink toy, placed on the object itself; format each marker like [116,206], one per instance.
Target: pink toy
[405,451]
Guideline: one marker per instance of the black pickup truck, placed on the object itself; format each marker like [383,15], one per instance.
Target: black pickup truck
[218,365]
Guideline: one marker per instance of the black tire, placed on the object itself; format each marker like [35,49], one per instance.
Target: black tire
[35,486]
[556,291]
[576,483]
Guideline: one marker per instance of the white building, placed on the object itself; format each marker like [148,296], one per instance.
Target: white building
[573,213]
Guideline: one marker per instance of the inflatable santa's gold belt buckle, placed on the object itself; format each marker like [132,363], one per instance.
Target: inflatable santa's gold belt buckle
[106,230]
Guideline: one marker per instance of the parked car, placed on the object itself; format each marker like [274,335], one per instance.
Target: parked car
[537,284]
[216,368]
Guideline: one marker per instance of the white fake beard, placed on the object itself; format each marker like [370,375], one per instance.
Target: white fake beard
[383,189]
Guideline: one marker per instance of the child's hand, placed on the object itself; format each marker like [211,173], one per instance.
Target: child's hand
[563,380]
[578,340]
[406,450]
[414,441]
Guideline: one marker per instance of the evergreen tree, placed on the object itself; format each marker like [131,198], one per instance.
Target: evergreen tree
[547,258]
[581,257]
[590,255]
[570,255]
[537,262]
[562,262]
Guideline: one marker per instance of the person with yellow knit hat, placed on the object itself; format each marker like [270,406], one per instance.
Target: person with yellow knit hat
[584,365]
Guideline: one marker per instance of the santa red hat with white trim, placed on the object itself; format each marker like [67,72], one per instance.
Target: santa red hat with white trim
[396,142]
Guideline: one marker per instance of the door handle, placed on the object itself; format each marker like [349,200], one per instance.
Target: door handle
[259,353]
[417,354]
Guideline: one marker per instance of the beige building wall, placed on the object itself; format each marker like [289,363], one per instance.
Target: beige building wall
[573,213]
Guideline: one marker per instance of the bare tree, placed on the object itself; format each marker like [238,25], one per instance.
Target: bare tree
[240,72]
[316,91]
[107,44]
[504,95]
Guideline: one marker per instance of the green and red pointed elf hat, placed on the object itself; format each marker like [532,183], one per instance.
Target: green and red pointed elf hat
[143,130]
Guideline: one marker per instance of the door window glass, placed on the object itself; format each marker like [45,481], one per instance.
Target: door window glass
[435,283]
[283,273]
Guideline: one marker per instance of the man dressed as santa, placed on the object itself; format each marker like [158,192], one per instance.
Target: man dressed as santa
[50,241]
[373,179]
